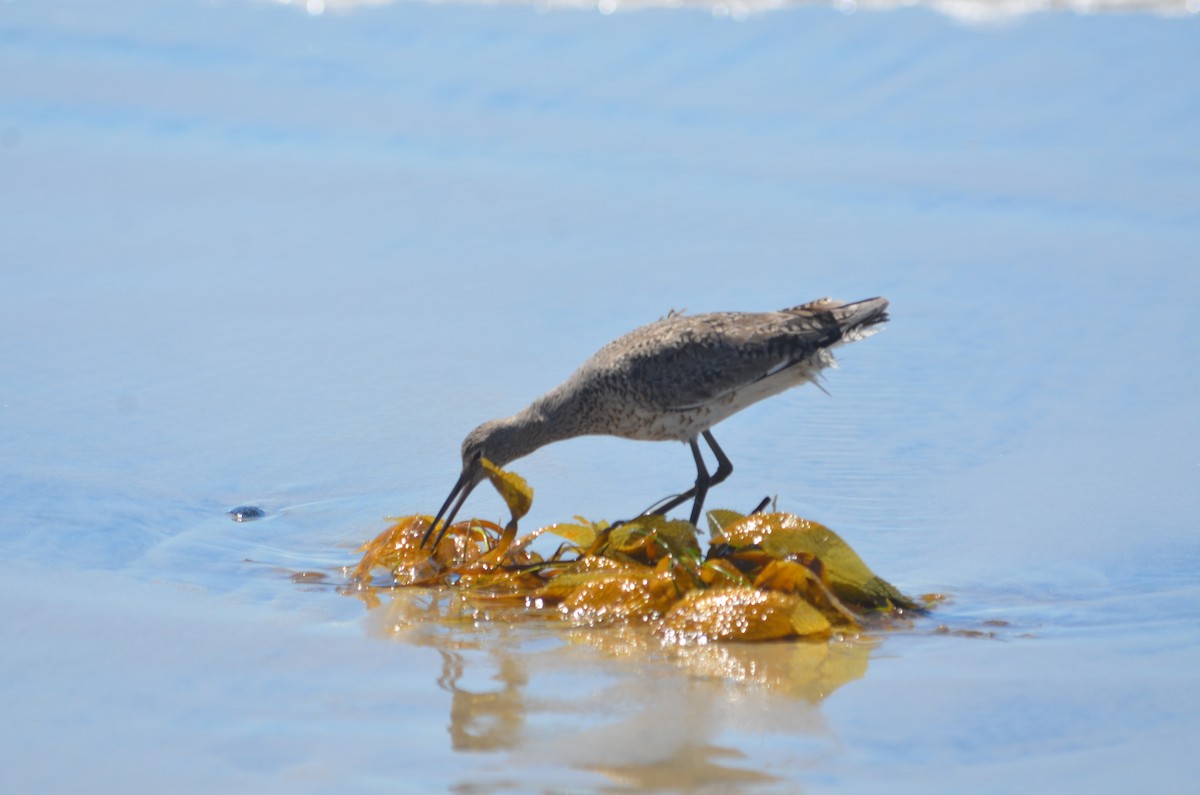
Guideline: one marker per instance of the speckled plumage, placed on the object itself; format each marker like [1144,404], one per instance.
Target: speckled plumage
[675,379]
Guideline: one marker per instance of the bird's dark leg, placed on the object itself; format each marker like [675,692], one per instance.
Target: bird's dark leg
[704,481]
[724,465]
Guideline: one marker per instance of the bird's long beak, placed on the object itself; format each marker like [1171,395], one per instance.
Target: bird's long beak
[462,489]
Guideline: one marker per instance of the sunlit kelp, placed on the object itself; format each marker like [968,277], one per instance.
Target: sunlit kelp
[763,577]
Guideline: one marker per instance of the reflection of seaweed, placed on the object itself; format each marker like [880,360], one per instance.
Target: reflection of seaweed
[445,619]
[809,671]
[635,721]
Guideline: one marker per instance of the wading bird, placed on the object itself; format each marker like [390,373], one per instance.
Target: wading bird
[672,380]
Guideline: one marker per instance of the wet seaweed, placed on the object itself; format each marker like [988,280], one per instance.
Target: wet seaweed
[763,576]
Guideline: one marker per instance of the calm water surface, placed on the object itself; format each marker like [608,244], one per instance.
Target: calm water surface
[256,256]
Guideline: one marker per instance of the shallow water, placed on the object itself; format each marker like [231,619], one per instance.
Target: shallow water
[253,256]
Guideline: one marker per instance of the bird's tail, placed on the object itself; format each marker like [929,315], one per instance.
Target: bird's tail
[853,321]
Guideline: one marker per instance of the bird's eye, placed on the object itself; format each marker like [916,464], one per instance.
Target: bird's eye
[477,456]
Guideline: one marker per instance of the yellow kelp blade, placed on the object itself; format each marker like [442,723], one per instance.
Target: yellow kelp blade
[718,573]
[581,532]
[783,534]
[720,518]
[647,539]
[803,580]
[517,496]
[512,488]
[610,597]
[745,614]
[399,549]
[579,573]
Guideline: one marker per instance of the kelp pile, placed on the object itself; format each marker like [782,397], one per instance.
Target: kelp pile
[765,576]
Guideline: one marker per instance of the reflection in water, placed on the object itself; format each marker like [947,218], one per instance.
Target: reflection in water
[614,701]
[487,721]
[804,670]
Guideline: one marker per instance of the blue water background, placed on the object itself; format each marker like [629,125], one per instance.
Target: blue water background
[252,256]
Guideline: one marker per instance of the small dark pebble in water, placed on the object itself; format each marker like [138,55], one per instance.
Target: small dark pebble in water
[308,576]
[247,513]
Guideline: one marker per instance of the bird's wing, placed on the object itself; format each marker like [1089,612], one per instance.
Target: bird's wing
[715,355]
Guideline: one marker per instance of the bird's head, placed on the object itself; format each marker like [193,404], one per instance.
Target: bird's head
[499,441]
